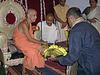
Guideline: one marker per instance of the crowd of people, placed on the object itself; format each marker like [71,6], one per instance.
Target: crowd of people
[83,40]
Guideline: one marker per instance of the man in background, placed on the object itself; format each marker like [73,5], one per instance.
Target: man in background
[60,11]
[84,45]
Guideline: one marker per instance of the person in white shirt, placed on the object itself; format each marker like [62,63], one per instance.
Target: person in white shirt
[48,29]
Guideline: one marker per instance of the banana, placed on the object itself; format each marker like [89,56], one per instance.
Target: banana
[58,52]
[45,50]
[53,46]
[55,50]
[46,54]
[64,52]
[62,49]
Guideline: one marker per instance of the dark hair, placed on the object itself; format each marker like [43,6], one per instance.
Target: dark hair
[74,11]
[50,14]
[95,1]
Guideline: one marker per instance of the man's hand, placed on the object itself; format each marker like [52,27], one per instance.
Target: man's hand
[35,28]
[93,20]
[52,58]
[44,43]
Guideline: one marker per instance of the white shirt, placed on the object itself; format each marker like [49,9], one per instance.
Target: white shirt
[49,33]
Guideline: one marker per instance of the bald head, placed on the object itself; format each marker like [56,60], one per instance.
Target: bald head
[32,15]
[31,11]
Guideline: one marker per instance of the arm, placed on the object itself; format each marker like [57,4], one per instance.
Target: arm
[93,20]
[27,34]
[74,49]
[97,16]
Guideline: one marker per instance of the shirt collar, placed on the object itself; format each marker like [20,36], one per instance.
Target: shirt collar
[77,21]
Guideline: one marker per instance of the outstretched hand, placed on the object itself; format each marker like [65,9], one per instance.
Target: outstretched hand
[43,43]
[53,58]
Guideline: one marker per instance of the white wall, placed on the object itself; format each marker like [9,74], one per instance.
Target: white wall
[79,3]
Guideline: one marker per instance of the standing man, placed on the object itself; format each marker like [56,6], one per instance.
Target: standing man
[84,45]
[60,11]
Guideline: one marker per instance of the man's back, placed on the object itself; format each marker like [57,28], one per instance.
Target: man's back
[86,41]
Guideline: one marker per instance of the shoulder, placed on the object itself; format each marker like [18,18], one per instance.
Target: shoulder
[98,7]
[21,26]
[83,24]
[81,28]
[41,22]
[24,21]
[66,6]
[84,27]
[80,25]
[53,25]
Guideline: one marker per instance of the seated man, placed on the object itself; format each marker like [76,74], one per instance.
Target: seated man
[24,40]
[48,29]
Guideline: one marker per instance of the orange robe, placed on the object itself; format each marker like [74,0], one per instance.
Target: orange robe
[30,50]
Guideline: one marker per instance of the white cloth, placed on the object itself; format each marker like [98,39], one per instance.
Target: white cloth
[61,34]
[95,14]
[49,33]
